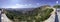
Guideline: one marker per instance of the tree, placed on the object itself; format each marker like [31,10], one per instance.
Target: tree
[56,6]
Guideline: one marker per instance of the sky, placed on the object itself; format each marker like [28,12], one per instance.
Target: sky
[26,3]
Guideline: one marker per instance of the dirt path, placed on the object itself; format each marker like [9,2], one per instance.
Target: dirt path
[4,18]
[52,17]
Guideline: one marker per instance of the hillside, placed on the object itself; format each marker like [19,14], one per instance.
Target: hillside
[37,14]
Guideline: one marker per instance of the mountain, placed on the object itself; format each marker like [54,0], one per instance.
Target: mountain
[20,9]
[28,14]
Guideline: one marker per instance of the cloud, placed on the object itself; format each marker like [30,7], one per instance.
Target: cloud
[21,6]
[57,2]
[37,3]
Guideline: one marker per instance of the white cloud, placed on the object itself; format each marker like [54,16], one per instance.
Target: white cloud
[17,4]
[25,5]
[30,4]
[38,3]
[57,2]
[20,6]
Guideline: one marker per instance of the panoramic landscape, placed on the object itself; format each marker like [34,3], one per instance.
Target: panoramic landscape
[35,14]
[38,14]
[30,10]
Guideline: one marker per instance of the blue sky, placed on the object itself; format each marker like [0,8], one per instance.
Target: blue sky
[25,3]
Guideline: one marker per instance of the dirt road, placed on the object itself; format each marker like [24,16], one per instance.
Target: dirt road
[4,18]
